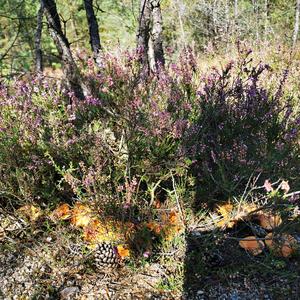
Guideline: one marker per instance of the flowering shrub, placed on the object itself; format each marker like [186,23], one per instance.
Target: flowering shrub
[131,136]
[243,127]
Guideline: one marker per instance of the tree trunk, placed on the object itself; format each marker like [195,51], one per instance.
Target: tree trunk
[179,7]
[149,38]
[236,13]
[256,16]
[156,34]
[266,20]
[296,26]
[37,40]
[93,29]
[71,72]
[143,35]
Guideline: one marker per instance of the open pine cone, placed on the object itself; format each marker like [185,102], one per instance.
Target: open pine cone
[106,256]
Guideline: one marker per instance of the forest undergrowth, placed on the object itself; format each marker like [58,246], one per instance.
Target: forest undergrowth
[192,174]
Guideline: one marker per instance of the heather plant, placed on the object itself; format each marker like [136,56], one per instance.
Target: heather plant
[242,127]
[44,132]
[133,140]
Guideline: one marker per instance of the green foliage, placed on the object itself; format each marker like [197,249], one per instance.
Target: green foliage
[207,25]
[133,142]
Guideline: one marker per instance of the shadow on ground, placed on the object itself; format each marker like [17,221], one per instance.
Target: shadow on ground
[217,268]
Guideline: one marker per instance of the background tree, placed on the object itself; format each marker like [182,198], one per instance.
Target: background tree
[296,27]
[149,38]
[204,24]
[37,39]
[93,29]
[143,36]
[156,34]
[71,72]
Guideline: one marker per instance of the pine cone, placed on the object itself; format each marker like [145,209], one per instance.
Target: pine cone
[106,256]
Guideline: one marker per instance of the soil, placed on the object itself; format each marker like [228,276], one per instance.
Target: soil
[40,264]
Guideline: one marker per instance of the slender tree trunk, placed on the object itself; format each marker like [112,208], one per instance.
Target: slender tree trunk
[156,34]
[71,72]
[149,38]
[179,7]
[296,26]
[143,35]
[266,20]
[236,9]
[227,25]
[235,15]
[214,17]
[37,39]
[255,12]
[93,29]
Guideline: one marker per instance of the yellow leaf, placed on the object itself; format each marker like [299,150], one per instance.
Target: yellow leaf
[226,223]
[248,208]
[97,231]
[225,210]
[252,245]
[31,212]
[91,231]
[81,215]
[171,231]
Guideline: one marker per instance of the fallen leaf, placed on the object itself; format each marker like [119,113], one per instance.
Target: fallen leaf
[225,211]
[123,251]
[269,240]
[62,212]
[81,215]
[248,208]
[31,212]
[157,204]
[289,246]
[171,231]
[252,245]
[174,218]
[269,221]
[97,231]
[281,245]
[226,224]
[91,231]
[154,226]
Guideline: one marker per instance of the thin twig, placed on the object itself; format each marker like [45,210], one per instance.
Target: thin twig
[177,200]
[291,194]
[12,44]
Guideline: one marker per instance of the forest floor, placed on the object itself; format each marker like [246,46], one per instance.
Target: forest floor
[41,263]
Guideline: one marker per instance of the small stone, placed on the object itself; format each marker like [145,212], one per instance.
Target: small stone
[69,292]
[49,239]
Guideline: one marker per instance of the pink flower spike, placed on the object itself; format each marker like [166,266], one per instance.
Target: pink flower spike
[146,254]
[285,186]
[268,186]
